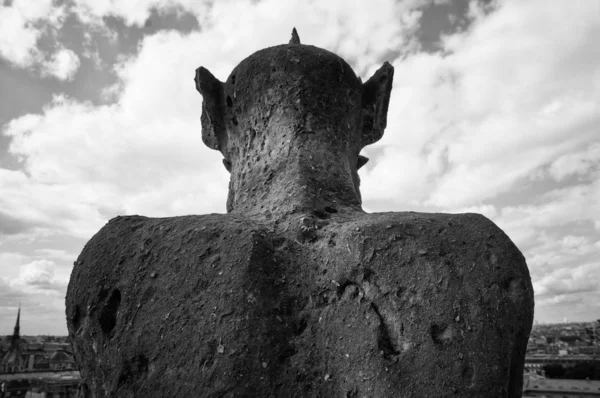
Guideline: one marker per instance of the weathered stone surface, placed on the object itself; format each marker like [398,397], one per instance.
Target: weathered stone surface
[296,291]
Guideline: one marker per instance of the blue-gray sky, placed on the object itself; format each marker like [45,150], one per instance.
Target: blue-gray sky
[495,109]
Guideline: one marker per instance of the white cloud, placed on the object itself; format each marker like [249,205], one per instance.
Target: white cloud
[575,163]
[142,155]
[526,223]
[357,31]
[41,311]
[38,280]
[56,254]
[63,64]
[133,12]
[17,41]
[490,104]
[38,286]
[10,263]
[39,272]
[565,282]
[22,24]
[34,11]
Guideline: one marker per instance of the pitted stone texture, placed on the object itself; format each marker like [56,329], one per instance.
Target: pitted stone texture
[391,304]
[297,292]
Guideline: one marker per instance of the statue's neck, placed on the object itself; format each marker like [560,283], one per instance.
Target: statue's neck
[299,175]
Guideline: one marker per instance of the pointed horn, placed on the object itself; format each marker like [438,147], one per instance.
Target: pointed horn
[295,38]
[362,160]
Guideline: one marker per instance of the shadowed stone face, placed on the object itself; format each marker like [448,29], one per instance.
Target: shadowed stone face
[297,292]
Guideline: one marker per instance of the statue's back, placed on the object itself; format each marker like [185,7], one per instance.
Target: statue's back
[297,292]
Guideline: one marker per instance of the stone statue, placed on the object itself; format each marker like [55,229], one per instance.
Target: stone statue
[296,291]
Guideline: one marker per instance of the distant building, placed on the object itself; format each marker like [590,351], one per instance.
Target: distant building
[22,355]
[15,360]
[61,360]
[64,384]
[535,386]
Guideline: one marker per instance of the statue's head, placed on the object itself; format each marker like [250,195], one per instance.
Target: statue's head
[292,95]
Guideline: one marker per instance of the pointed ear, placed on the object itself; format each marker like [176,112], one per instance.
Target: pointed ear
[375,101]
[213,119]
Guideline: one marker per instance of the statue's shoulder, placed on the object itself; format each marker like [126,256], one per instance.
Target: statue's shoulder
[422,219]
[468,236]
[417,250]
[129,224]
[469,226]
[124,231]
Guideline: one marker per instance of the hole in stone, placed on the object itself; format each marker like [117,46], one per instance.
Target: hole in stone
[229,101]
[232,79]
[441,333]
[108,317]
[234,121]
[384,340]
[330,209]
[321,214]
[274,69]
[210,350]
[76,318]
[140,363]
[399,292]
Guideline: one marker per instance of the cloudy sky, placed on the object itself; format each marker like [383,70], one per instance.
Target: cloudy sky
[495,109]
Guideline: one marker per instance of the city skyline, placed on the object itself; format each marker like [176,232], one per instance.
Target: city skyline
[495,109]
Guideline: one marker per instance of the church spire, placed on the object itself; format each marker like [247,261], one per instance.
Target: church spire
[17,326]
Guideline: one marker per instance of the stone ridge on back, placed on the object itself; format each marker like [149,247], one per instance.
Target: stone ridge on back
[296,291]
